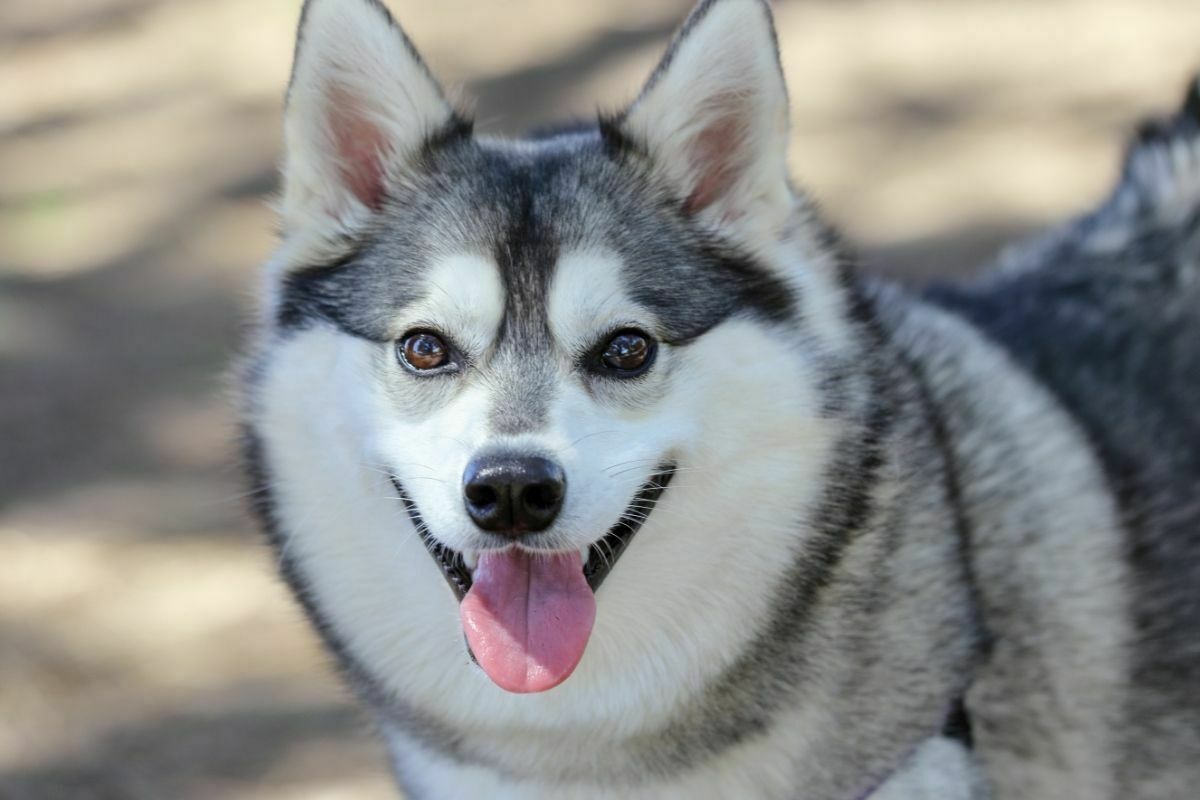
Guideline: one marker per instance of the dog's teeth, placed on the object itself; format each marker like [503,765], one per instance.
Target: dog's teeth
[584,552]
[471,559]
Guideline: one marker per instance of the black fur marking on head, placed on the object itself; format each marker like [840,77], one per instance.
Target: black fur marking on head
[617,143]
[312,293]
[458,128]
[524,206]
[525,251]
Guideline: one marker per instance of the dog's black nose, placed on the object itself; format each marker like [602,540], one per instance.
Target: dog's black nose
[513,495]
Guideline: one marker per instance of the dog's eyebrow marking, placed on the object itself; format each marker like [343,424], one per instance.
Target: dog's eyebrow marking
[586,297]
[463,292]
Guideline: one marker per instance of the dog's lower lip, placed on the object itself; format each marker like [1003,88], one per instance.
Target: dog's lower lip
[608,549]
[603,554]
[453,567]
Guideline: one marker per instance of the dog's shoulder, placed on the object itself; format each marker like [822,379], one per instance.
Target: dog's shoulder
[1105,313]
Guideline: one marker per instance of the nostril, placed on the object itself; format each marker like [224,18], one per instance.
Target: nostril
[542,497]
[481,495]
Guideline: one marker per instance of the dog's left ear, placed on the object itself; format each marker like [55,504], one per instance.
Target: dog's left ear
[714,116]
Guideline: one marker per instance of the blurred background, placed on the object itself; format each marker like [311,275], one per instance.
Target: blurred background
[147,649]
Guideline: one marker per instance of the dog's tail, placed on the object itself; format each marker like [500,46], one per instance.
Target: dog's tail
[1156,199]
[1160,182]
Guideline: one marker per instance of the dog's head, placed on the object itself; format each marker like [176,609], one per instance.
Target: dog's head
[610,354]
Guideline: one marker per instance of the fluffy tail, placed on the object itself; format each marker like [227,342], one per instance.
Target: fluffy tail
[1160,183]
[1156,198]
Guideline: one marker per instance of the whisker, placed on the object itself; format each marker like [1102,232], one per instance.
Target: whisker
[626,463]
[589,436]
[637,467]
[385,465]
[234,498]
[602,546]
[642,513]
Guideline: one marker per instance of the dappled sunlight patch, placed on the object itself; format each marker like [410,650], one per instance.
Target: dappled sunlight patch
[116,628]
[166,612]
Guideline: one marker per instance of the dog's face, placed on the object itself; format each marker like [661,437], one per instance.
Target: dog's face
[497,374]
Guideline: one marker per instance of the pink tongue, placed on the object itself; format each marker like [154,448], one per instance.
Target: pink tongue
[528,618]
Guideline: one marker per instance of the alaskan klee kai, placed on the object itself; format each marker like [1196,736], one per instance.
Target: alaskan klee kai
[605,475]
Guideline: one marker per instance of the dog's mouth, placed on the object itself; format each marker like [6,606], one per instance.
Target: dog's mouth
[601,556]
[527,614]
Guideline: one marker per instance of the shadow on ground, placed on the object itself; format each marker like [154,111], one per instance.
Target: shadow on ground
[192,754]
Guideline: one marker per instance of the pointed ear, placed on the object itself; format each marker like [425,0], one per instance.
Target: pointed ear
[714,115]
[360,105]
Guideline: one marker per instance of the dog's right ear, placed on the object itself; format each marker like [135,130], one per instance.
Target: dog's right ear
[714,118]
[360,106]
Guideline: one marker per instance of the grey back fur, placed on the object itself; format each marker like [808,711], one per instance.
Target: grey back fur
[1104,314]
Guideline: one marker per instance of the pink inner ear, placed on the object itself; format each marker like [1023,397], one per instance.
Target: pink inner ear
[361,148]
[716,156]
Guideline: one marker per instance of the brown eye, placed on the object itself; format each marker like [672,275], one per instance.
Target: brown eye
[627,352]
[423,351]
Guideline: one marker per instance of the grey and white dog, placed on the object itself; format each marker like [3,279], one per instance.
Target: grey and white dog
[603,473]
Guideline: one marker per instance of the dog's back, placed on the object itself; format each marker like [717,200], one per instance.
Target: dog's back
[1106,314]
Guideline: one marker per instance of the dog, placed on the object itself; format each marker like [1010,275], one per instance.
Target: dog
[603,473]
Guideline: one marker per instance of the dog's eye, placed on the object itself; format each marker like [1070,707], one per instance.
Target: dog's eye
[628,353]
[423,351]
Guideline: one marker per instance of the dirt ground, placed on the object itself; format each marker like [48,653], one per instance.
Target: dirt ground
[147,650]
